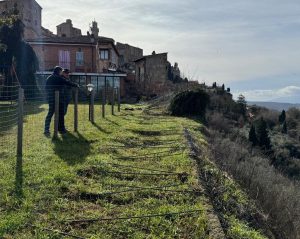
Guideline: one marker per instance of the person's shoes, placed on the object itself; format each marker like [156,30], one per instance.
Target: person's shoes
[47,134]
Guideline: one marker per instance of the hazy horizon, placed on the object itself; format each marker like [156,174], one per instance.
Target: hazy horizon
[252,47]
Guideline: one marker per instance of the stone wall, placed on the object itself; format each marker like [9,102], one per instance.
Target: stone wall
[113,57]
[66,29]
[152,74]
[129,53]
[31,15]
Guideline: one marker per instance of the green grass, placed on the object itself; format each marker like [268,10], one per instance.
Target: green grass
[74,177]
[239,230]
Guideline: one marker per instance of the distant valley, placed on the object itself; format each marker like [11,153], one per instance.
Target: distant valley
[275,105]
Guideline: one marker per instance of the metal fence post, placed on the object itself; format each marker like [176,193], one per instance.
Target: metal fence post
[103,102]
[76,110]
[20,122]
[119,99]
[19,162]
[113,101]
[56,115]
[93,106]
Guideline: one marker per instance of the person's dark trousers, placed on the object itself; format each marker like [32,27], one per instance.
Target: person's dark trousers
[68,99]
[50,114]
[67,102]
[61,121]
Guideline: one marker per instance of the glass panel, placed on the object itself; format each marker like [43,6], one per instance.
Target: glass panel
[117,82]
[82,80]
[101,82]
[94,81]
[109,81]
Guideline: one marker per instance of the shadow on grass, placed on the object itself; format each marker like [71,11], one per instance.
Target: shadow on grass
[101,129]
[112,122]
[72,149]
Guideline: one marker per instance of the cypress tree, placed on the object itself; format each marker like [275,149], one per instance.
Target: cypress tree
[284,128]
[252,136]
[242,104]
[223,87]
[262,134]
[282,117]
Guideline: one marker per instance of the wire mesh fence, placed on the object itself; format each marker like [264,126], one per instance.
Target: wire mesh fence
[8,121]
[72,109]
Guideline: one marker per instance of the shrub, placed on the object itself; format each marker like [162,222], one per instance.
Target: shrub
[219,122]
[271,118]
[189,103]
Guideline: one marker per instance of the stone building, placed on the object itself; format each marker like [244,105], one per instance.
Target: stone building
[175,71]
[152,74]
[30,13]
[66,29]
[128,54]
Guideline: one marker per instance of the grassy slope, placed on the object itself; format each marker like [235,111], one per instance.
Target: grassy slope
[65,179]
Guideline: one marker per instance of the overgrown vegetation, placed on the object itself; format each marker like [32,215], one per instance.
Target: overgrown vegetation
[258,141]
[238,214]
[278,196]
[190,103]
[260,148]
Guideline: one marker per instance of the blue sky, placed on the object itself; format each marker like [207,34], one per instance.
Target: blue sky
[251,46]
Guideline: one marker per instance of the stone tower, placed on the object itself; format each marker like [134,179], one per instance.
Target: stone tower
[95,29]
[66,29]
[30,13]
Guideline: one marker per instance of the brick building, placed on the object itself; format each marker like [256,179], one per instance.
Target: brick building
[84,54]
[152,74]
[90,59]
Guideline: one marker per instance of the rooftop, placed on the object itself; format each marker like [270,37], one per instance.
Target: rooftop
[150,56]
[72,40]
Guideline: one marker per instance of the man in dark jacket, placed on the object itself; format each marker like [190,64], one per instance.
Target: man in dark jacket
[56,82]
[67,90]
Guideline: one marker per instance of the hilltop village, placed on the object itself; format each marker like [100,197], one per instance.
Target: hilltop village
[91,56]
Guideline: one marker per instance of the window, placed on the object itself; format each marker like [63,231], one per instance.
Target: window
[79,58]
[104,54]
[64,59]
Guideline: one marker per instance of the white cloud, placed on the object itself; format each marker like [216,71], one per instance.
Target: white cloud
[288,92]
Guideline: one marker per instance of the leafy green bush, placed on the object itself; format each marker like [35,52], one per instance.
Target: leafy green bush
[189,103]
